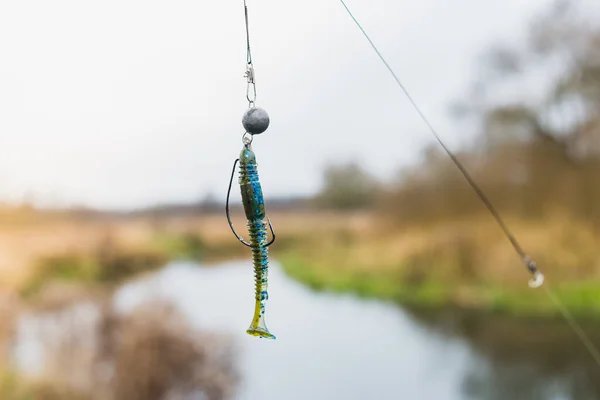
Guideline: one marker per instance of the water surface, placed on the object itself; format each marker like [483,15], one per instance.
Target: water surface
[333,346]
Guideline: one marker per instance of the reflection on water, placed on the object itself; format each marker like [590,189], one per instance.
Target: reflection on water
[327,346]
[331,346]
[522,358]
[338,346]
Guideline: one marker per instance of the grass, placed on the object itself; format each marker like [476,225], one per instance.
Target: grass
[184,246]
[455,263]
[108,267]
[13,387]
[37,251]
[464,262]
[581,298]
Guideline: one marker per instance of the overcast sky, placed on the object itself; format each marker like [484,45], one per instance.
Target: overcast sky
[126,103]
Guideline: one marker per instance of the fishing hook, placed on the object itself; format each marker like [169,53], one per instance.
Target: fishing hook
[237,235]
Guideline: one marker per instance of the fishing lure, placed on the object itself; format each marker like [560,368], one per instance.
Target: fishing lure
[254,208]
[255,121]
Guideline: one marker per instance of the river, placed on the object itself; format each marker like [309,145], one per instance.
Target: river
[332,346]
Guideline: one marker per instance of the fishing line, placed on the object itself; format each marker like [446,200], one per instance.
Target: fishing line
[585,340]
[538,278]
[255,121]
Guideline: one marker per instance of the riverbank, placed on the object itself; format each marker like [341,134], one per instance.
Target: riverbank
[41,248]
[582,299]
[466,263]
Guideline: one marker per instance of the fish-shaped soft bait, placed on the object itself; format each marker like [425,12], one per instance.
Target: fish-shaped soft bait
[254,208]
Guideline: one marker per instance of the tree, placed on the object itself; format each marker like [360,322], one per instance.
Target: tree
[537,105]
[563,46]
[347,187]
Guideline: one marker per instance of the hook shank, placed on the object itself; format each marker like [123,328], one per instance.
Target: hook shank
[241,239]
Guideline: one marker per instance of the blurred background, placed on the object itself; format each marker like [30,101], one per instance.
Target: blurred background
[120,278]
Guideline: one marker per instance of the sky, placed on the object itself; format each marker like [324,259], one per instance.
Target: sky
[129,103]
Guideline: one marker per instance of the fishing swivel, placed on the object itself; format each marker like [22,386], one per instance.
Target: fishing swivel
[251,85]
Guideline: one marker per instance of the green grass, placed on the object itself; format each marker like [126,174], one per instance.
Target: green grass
[427,267]
[12,387]
[111,264]
[582,298]
[107,267]
[187,246]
